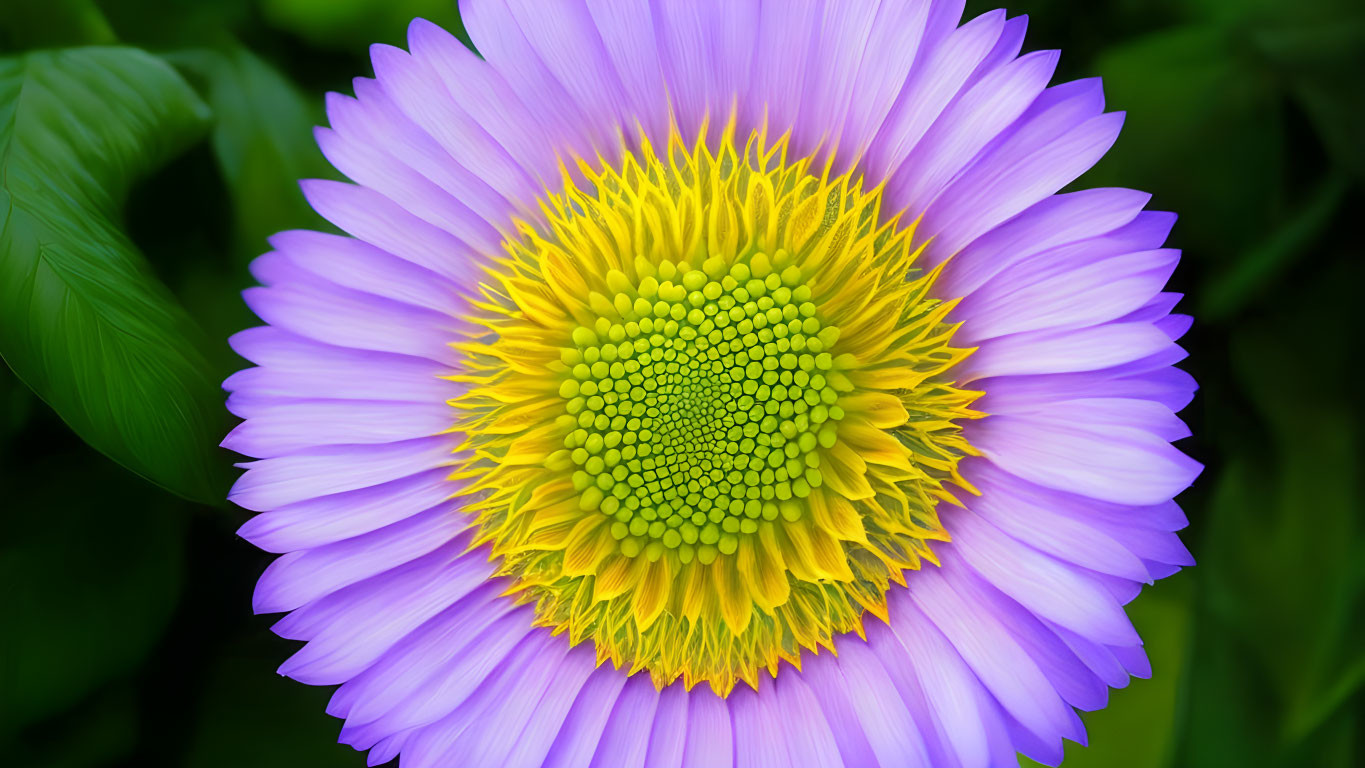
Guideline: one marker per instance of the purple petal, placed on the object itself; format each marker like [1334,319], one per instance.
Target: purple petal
[276,482]
[504,46]
[1129,413]
[828,91]
[1044,586]
[352,628]
[1118,464]
[1098,658]
[1159,307]
[507,698]
[968,125]
[1165,516]
[1055,221]
[709,739]
[564,38]
[507,116]
[510,162]
[896,38]
[571,677]
[1016,174]
[374,218]
[758,733]
[776,74]
[1157,546]
[705,52]
[1003,667]
[837,697]
[808,737]
[1039,525]
[1175,326]
[626,30]
[365,164]
[343,317]
[277,426]
[1070,677]
[1134,659]
[373,118]
[941,69]
[413,659]
[1171,387]
[1005,50]
[1068,290]
[1065,351]
[582,728]
[668,733]
[298,577]
[293,366]
[315,522]
[353,264]
[625,740]
[459,676]
[887,722]
[928,670]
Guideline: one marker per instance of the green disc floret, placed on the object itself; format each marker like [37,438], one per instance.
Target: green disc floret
[698,411]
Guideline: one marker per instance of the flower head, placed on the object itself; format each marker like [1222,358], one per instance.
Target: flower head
[723,381]
[706,384]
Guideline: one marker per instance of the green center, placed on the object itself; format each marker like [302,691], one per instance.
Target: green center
[700,406]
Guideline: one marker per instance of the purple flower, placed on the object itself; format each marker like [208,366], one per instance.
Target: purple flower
[676,347]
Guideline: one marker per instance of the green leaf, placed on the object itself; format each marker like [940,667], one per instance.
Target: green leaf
[262,140]
[83,321]
[91,564]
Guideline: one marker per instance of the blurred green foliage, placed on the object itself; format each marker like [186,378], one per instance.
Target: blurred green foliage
[128,639]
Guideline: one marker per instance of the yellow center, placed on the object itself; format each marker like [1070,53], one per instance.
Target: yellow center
[710,411]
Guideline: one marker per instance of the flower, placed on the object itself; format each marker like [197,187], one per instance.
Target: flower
[712,383]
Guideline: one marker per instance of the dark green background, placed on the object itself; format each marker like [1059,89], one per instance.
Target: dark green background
[126,630]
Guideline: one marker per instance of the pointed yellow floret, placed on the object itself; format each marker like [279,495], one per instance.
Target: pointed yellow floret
[710,409]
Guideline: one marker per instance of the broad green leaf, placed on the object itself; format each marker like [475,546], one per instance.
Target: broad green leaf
[262,140]
[83,321]
[91,564]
